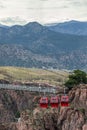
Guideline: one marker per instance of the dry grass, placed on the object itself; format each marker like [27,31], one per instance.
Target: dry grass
[33,75]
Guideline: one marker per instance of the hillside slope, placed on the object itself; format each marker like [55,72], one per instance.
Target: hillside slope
[32,75]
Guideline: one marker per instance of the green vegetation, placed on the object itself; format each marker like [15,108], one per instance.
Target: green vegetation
[17,114]
[77,77]
[81,110]
[23,75]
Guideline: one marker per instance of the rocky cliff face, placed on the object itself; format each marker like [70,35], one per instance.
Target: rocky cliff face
[32,117]
[78,97]
[12,103]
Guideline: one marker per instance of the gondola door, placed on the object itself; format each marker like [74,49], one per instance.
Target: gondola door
[44,102]
[54,101]
[65,101]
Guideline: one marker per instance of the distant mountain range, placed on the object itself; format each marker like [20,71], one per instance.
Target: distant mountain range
[4,26]
[34,45]
[71,27]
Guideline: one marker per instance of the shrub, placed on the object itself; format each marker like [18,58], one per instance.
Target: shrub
[17,114]
[82,110]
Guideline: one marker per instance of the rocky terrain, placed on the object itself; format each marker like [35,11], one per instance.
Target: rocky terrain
[20,110]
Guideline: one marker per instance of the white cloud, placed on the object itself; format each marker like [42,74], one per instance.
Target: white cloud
[12,21]
[1,5]
[43,11]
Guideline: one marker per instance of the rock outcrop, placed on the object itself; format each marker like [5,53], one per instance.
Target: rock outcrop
[12,103]
[78,97]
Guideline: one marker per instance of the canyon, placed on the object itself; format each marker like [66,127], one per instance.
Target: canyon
[20,110]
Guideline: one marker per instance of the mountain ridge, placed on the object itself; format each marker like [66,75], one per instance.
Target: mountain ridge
[34,45]
[70,27]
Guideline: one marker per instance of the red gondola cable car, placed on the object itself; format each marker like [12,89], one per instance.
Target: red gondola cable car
[44,102]
[54,101]
[64,101]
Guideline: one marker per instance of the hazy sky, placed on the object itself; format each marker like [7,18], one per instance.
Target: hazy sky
[43,11]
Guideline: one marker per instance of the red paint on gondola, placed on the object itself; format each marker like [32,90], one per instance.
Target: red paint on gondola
[44,102]
[54,102]
[65,101]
